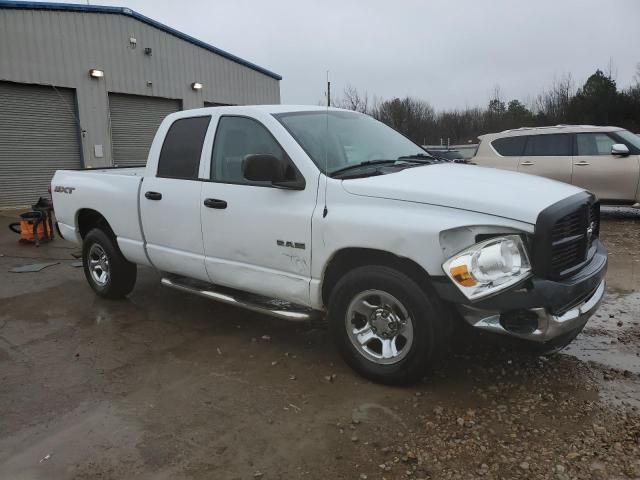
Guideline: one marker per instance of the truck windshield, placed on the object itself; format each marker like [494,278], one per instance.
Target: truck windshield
[338,139]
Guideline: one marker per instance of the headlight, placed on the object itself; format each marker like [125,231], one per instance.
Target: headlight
[490,266]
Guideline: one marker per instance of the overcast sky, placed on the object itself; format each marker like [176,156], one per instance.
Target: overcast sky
[451,53]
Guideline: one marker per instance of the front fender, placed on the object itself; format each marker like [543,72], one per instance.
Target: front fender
[405,229]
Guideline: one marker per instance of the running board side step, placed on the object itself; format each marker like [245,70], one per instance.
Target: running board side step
[256,303]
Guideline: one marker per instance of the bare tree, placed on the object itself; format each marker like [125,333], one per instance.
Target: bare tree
[597,101]
[496,103]
[553,104]
[411,116]
[354,100]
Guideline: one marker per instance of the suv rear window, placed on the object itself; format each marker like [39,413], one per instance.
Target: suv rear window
[553,145]
[509,146]
[180,154]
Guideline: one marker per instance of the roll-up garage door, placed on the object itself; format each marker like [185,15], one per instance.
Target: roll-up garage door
[134,121]
[39,134]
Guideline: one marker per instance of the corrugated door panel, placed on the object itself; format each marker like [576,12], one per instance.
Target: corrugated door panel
[134,121]
[38,135]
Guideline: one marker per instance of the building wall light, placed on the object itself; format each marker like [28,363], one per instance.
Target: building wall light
[196,86]
[95,73]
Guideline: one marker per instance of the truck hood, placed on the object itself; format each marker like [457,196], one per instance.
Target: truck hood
[517,196]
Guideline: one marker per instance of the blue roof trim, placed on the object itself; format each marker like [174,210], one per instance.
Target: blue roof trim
[72,7]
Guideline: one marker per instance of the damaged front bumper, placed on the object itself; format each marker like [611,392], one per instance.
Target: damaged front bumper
[539,309]
[536,324]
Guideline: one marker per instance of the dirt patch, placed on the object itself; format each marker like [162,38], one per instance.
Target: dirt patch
[166,385]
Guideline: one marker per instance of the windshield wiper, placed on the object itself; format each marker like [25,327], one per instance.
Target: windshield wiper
[419,156]
[361,164]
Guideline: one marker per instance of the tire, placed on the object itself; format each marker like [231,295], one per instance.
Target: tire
[113,276]
[415,348]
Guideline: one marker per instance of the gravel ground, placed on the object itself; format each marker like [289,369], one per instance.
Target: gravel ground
[166,385]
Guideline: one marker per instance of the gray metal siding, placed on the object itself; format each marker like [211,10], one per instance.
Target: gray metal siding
[134,121]
[60,47]
[38,135]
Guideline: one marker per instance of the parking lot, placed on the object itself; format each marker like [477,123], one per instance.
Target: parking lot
[167,385]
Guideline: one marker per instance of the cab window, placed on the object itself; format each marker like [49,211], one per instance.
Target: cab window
[182,147]
[237,137]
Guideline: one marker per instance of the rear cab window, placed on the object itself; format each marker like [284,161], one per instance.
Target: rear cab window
[182,147]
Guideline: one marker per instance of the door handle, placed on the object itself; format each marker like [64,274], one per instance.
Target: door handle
[153,195]
[527,163]
[215,203]
[582,163]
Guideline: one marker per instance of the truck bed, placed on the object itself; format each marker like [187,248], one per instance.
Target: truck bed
[114,193]
[126,171]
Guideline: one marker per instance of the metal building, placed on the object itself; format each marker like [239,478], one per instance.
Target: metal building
[87,86]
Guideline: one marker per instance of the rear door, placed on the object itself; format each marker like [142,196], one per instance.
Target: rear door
[170,201]
[610,177]
[548,156]
[257,237]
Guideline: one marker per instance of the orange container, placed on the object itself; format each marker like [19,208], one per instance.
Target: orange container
[26,231]
[27,220]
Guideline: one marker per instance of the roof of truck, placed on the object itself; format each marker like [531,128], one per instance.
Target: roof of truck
[279,108]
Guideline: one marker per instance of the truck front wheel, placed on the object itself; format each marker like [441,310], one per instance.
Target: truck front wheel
[107,271]
[386,327]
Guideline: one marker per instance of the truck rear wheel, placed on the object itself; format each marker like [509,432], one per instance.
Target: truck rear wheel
[107,271]
[386,327]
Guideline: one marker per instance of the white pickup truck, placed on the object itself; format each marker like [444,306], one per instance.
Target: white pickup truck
[305,211]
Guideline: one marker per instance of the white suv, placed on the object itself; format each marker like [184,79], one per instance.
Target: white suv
[603,160]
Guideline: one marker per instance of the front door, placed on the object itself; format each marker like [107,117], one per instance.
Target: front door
[257,237]
[170,201]
[610,177]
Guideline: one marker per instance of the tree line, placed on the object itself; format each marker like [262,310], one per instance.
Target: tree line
[597,102]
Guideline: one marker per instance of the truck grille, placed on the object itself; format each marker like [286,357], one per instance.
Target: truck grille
[564,237]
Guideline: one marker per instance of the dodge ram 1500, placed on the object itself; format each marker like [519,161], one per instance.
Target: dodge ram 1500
[304,212]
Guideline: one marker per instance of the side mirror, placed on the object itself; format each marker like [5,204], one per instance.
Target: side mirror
[264,167]
[619,149]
